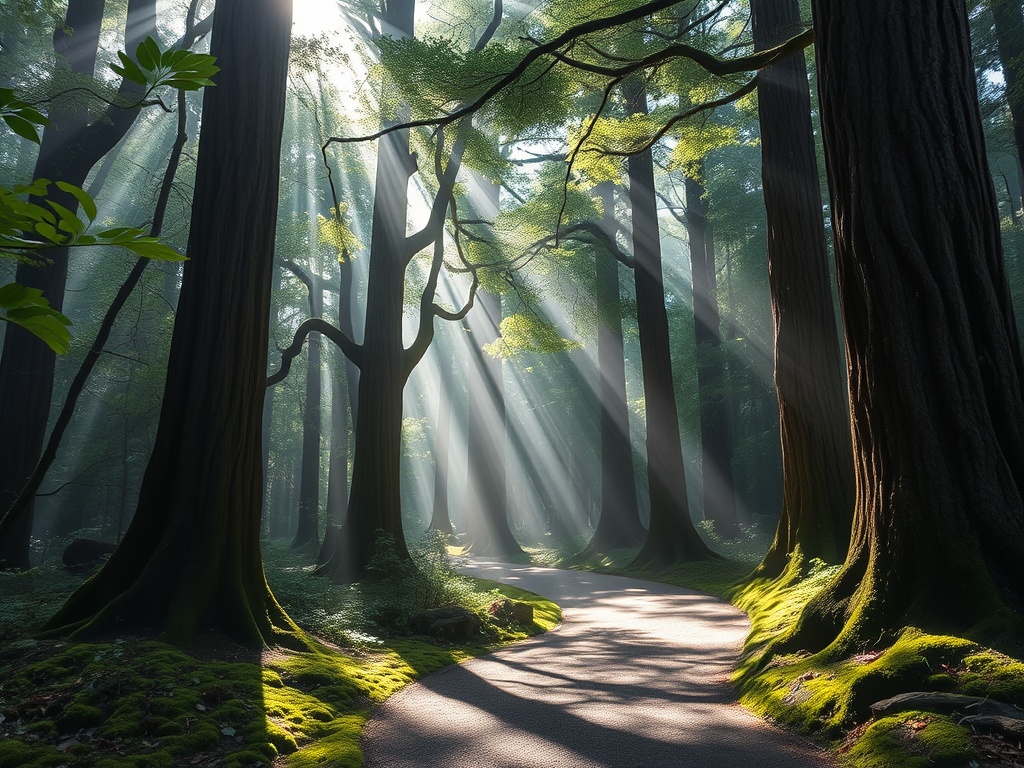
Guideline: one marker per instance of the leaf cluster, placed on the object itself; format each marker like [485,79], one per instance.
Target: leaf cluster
[153,68]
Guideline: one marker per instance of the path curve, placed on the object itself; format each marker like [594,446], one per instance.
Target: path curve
[637,676]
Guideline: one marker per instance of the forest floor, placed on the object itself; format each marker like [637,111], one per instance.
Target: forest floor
[637,675]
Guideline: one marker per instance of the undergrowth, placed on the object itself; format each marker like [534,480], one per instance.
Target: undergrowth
[139,703]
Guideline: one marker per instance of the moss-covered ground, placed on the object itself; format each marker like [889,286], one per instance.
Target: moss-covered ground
[830,698]
[135,702]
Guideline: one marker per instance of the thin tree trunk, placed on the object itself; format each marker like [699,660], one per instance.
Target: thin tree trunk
[717,493]
[440,518]
[1009,24]
[671,537]
[307,533]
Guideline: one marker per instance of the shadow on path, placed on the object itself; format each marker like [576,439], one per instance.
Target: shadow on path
[637,676]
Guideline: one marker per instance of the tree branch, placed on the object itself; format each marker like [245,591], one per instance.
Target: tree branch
[353,351]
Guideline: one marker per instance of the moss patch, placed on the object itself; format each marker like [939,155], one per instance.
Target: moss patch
[144,704]
[913,740]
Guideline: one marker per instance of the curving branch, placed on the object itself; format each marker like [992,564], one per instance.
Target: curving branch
[739,93]
[707,61]
[353,351]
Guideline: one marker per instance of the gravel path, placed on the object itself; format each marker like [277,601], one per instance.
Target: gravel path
[637,676]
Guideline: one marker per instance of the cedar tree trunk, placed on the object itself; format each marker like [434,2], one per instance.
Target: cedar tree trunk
[934,361]
[671,537]
[717,492]
[817,463]
[190,561]
[619,524]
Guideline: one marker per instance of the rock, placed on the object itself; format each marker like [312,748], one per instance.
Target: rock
[83,553]
[935,701]
[451,622]
[511,611]
[1011,726]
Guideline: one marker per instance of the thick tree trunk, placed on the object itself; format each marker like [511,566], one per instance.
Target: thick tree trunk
[190,559]
[935,366]
[717,493]
[671,537]
[69,149]
[619,523]
[817,463]
[484,507]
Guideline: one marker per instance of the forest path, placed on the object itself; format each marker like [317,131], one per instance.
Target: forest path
[637,676]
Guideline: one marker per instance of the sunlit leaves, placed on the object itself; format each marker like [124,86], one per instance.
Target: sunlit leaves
[152,68]
[522,332]
[28,308]
[335,233]
[20,117]
[32,218]
[695,140]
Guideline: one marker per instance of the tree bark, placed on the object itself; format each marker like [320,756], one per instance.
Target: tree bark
[717,492]
[440,518]
[619,523]
[307,532]
[935,365]
[190,560]
[671,537]
[484,507]
[817,463]
[375,500]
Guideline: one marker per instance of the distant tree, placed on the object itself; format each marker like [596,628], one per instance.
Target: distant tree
[671,536]
[934,357]
[191,559]
[716,435]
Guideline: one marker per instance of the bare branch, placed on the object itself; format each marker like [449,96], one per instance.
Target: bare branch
[353,351]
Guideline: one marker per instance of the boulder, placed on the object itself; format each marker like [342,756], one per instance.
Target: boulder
[450,622]
[511,612]
[946,703]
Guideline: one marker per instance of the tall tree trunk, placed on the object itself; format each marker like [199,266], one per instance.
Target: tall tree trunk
[619,523]
[817,463]
[935,365]
[1009,24]
[375,501]
[307,532]
[717,494]
[440,518]
[485,511]
[671,537]
[341,400]
[69,149]
[191,559]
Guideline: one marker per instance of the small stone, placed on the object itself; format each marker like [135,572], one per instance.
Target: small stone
[228,731]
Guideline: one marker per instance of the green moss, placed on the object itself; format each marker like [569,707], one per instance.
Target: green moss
[15,754]
[913,740]
[79,716]
[245,758]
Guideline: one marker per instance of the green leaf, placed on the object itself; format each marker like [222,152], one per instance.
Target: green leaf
[22,127]
[49,232]
[148,54]
[69,222]
[129,69]
[82,197]
[151,248]
[28,308]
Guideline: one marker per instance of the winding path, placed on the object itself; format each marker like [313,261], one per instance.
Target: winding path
[637,676]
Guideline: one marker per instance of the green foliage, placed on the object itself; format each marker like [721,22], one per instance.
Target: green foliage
[914,740]
[524,332]
[335,233]
[153,68]
[20,117]
[28,308]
